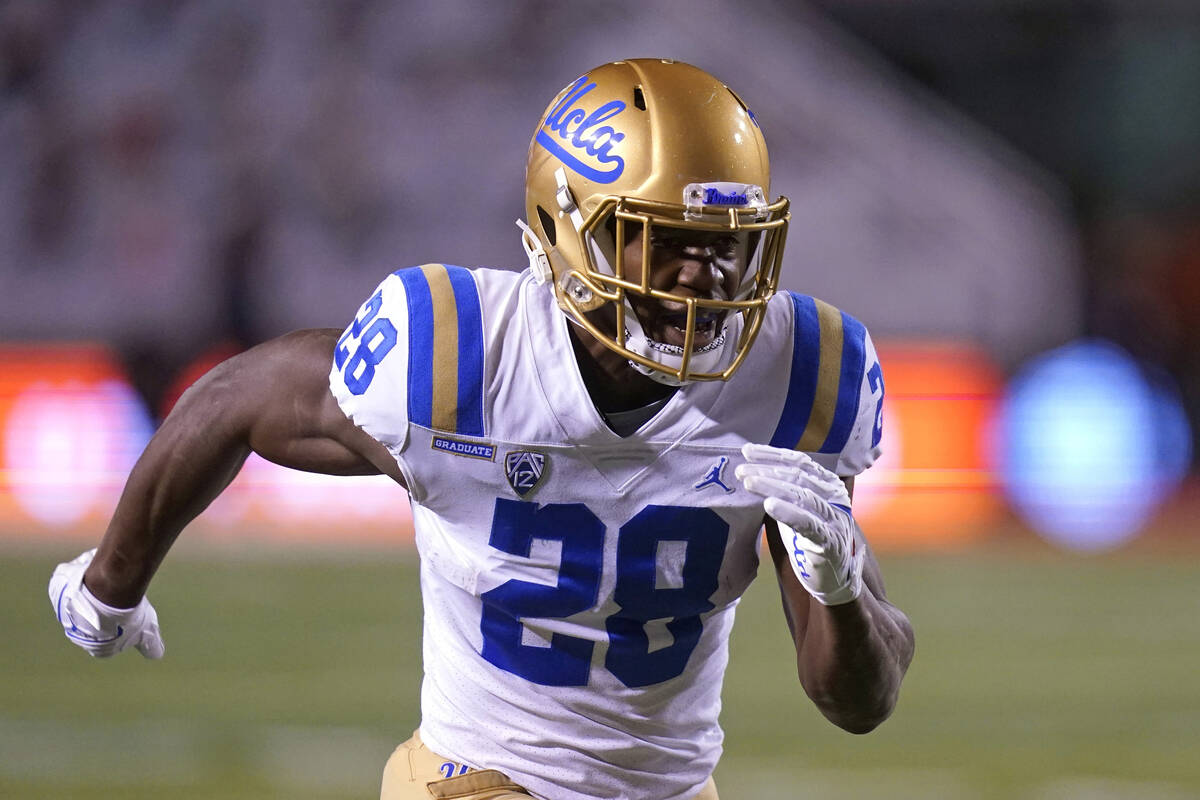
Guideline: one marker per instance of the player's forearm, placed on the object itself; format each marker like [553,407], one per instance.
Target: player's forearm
[191,459]
[853,660]
[273,400]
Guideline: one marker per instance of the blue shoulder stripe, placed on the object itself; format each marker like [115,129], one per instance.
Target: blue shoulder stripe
[854,355]
[802,382]
[420,345]
[469,417]
[445,362]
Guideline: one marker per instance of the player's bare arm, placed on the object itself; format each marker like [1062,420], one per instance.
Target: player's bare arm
[851,657]
[852,646]
[273,400]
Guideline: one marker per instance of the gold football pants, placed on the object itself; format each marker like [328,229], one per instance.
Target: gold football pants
[414,772]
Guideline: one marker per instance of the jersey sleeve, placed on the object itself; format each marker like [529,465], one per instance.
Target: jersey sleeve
[413,355]
[834,405]
[369,375]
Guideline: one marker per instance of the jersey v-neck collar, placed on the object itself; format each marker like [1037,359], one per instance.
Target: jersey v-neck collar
[625,423]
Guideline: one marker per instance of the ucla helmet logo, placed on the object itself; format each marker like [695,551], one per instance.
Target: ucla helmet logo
[524,469]
[577,138]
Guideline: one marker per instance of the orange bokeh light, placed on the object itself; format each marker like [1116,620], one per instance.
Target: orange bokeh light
[936,484]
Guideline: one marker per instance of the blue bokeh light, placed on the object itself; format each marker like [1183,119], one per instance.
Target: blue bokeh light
[1090,447]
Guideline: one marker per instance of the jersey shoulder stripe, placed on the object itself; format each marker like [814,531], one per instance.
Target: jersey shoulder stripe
[828,358]
[849,387]
[802,380]
[445,362]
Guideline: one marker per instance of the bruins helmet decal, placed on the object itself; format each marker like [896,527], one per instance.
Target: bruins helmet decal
[650,144]
[578,139]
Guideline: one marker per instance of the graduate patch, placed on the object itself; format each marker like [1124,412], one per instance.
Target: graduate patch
[459,447]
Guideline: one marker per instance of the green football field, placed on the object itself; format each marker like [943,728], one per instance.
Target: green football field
[1037,675]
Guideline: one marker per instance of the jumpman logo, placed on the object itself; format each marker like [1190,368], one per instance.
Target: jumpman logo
[713,478]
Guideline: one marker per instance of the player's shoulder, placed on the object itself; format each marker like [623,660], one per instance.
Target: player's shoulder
[440,300]
[812,315]
[835,385]
[414,354]
[442,285]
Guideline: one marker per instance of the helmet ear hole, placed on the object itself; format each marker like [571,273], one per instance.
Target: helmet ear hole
[548,225]
[639,98]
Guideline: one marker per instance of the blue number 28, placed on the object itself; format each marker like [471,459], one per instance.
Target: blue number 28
[376,337]
[567,661]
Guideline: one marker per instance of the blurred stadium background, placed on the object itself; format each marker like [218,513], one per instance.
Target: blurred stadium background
[1007,192]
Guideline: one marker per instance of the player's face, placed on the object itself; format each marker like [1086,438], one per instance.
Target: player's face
[703,264]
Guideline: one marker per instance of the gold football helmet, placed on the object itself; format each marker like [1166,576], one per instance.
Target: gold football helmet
[651,144]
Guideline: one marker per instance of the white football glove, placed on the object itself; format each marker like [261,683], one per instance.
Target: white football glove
[97,627]
[812,507]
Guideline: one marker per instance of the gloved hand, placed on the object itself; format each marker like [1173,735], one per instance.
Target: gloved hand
[812,507]
[98,628]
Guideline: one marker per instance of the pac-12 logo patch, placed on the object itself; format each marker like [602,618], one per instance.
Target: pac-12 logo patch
[525,469]
[576,137]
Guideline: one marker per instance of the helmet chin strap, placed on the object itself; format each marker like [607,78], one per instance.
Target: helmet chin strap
[539,263]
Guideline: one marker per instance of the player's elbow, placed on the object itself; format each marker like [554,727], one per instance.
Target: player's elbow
[859,723]
[855,706]
[213,397]
[857,718]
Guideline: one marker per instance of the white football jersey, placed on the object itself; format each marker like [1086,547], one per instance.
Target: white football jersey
[579,587]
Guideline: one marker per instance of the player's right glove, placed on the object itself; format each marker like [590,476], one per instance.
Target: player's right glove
[812,507]
[97,627]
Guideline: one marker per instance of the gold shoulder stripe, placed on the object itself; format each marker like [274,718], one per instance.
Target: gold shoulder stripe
[445,348]
[829,373]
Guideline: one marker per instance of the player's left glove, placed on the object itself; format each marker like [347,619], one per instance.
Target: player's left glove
[97,627]
[812,507]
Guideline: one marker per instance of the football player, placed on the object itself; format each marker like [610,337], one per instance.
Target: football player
[591,446]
